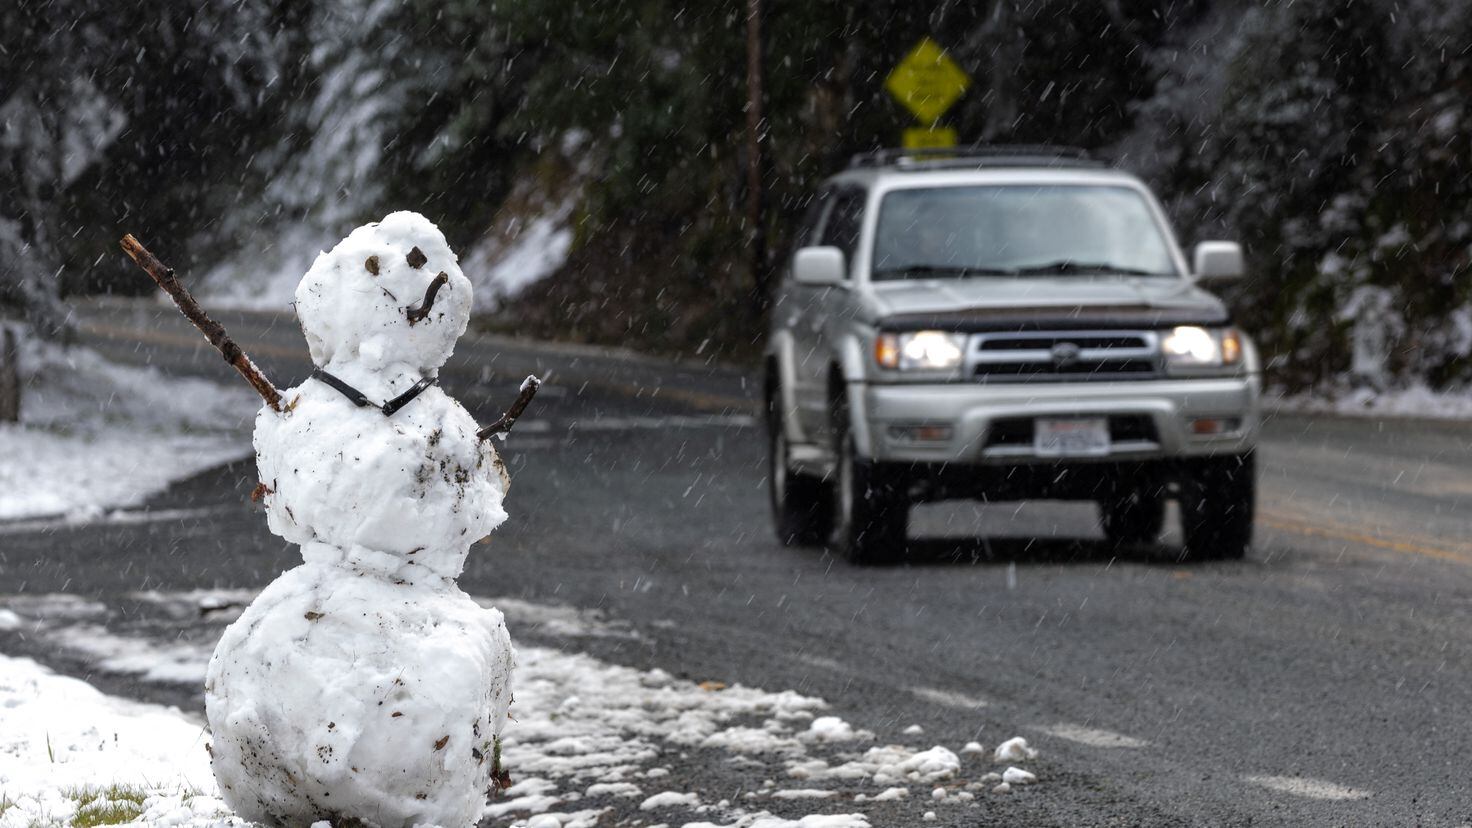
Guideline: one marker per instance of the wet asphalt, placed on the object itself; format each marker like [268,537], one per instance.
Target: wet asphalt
[1325,680]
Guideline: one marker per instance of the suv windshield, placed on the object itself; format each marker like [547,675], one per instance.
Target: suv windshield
[1011,230]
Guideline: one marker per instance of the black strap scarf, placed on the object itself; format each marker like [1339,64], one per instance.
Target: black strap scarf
[357,398]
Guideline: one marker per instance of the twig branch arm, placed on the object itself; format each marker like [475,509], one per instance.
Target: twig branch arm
[212,330]
[529,388]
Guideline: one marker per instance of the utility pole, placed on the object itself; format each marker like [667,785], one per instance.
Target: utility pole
[9,377]
[755,195]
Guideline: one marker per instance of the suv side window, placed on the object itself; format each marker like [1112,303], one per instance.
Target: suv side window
[844,222]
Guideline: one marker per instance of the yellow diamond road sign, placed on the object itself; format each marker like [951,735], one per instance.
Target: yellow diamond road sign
[927,82]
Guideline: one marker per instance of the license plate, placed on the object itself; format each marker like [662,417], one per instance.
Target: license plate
[1073,437]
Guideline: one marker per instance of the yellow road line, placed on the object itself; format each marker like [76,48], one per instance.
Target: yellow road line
[189,340]
[1287,524]
[1412,538]
[698,399]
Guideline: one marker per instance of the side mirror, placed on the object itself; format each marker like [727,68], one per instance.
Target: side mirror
[1218,260]
[818,266]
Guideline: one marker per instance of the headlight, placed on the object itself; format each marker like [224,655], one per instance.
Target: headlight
[1191,347]
[920,350]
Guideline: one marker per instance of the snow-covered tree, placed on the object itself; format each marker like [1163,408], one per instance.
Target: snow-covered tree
[106,115]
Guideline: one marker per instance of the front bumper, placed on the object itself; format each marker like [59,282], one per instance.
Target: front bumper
[991,424]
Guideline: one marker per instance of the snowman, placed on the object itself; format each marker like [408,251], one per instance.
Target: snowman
[364,686]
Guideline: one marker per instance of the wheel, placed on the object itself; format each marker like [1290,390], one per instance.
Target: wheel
[1218,497]
[1134,515]
[802,505]
[871,510]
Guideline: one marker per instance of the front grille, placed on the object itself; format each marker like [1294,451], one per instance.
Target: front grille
[1112,369]
[1064,356]
[1033,342]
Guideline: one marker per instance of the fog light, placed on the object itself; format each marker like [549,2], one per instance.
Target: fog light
[1208,426]
[922,433]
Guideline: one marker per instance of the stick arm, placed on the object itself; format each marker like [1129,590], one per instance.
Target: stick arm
[212,330]
[529,388]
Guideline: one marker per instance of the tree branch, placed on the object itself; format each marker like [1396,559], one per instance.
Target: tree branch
[418,314]
[212,330]
[529,388]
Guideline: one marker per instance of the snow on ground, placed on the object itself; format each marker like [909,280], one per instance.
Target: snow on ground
[67,750]
[1416,402]
[1014,750]
[95,436]
[586,737]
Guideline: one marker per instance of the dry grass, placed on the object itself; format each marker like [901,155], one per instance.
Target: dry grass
[111,805]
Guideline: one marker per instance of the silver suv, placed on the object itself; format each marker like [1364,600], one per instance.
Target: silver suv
[1006,324]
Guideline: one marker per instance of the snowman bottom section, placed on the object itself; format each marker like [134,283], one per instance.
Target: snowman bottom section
[346,696]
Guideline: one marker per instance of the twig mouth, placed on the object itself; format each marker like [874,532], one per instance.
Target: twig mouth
[419,314]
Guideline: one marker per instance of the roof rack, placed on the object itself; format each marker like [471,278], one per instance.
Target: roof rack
[975,156]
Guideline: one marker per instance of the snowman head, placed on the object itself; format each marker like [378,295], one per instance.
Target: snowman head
[356,303]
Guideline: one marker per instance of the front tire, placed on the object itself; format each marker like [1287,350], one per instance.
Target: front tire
[1218,499]
[871,509]
[802,506]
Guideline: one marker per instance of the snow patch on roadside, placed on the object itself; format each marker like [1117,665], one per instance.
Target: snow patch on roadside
[766,820]
[54,606]
[1308,788]
[1092,736]
[175,663]
[834,729]
[95,435]
[559,620]
[586,734]
[1015,749]
[220,606]
[1415,402]
[59,735]
[1018,776]
[948,698]
[805,793]
[887,765]
[886,795]
[670,799]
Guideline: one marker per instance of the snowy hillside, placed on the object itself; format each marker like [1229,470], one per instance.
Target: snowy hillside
[96,436]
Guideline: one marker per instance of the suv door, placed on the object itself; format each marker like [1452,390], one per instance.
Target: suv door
[840,228]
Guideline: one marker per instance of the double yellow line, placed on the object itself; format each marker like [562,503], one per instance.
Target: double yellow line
[1437,548]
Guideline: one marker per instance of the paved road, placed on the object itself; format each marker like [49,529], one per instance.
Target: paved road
[1327,679]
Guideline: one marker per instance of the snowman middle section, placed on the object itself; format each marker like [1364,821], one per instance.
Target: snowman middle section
[403,495]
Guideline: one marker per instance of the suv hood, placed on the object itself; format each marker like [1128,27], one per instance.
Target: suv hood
[1073,301]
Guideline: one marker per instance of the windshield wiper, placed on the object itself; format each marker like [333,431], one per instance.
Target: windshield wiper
[939,272]
[1066,267]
